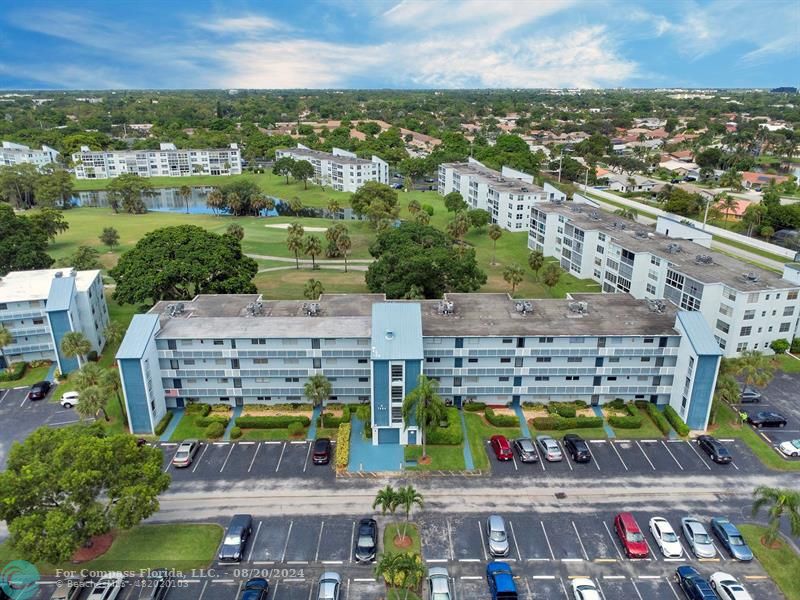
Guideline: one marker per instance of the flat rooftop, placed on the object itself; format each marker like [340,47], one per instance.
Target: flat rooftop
[683,254]
[318,154]
[350,316]
[494,178]
[19,286]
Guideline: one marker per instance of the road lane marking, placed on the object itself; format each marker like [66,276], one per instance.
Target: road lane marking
[319,541]
[636,589]
[252,462]
[203,591]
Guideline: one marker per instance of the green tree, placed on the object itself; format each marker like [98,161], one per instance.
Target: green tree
[513,276]
[302,170]
[495,233]
[312,246]
[5,340]
[344,244]
[407,498]
[110,237]
[779,503]
[780,346]
[23,246]
[283,167]
[536,262]
[754,216]
[294,241]
[728,204]
[388,567]
[318,389]
[313,289]
[235,230]
[458,228]
[185,193]
[18,184]
[387,500]
[754,369]
[454,202]
[50,222]
[177,263]
[332,234]
[63,485]
[92,401]
[75,345]
[54,187]
[377,201]
[731,179]
[85,258]
[551,275]
[766,232]
[127,191]
[478,218]
[414,206]
[295,205]
[113,333]
[422,218]
[424,406]
[215,201]
[334,207]
[410,571]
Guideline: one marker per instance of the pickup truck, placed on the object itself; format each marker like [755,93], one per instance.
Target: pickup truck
[501,581]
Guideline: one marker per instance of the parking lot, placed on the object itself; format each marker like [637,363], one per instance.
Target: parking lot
[779,396]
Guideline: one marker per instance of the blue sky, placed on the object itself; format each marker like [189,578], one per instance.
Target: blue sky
[99,44]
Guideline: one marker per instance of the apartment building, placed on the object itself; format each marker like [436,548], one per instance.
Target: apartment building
[340,169]
[745,306]
[506,195]
[242,349]
[17,154]
[168,161]
[39,307]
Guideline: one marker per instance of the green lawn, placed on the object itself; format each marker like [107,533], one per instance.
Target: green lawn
[478,431]
[782,564]
[787,364]
[30,377]
[174,546]
[289,284]
[187,429]
[443,458]
[392,530]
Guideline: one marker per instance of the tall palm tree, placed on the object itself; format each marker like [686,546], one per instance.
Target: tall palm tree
[269,203]
[458,228]
[408,497]
[513,276]
[344,244]
[334,207]
[113,333]
[414,206]
[294,241]
[295,205]
[184,193]
[313,247]
[258,203]
[92,401]
[779,503]
[536,262]
[425,405]
[215,201]
[495,232]
[387,499]
[422,218]
[5,340]
[313,289]
[110,381]
[411,571]
[75,345]
[728,204]
[318,389]
[89,375]
[754,368]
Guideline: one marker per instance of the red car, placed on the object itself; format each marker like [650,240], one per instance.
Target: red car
[501,447]
[631,536]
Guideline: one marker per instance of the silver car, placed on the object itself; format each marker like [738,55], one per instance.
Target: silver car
[330,584]
[185,453]
[550,448]
[697,537]
[439,584]
[496,536]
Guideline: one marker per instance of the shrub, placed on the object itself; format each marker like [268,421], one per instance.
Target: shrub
[587,422]
[557,423]
[632,410]
[625,422]
[616,404]
[161,427]
[274,422]
[364,412]
[39,362]
[500,420]
[14,371]
[215,430]
[343,446]
[795,348]
[676,421]
[545,423]
[451,435]
[330,421]
[656,415]
[220,408]
[295,428]
[206,421]
[198,408]
[568,412]
[92,356]
[236,433]
[428,209]
[475,406]
[780,346]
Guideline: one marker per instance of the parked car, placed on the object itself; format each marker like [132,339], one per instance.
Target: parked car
[233,545]
[107,587]
[749,394]
[69,399]
[549,447]
[526,450]
[39,390]
[666,538]
[69,589]
[766,419]
[693,585]
[321,455]
[728,588]
[255,589]
[439,584]
[501,581]
[631,536]
[791,448]
[716,450]
[330,584]
[184,455]
[397,186]
[585,589]
[366,541]
[731,539]
[577,448]
[697,537]
[501,447]
[496,536]
[159,583]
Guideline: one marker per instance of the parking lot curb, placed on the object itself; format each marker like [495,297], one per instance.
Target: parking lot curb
[408,473]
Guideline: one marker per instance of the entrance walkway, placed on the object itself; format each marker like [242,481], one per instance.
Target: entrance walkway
[469,464]
[368,458]
[599,413]
[237,412]
[177,415]
[523,424]
[312,429]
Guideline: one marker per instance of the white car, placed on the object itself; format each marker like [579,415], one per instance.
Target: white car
[107,587]
[666,538]
[698,539]
[585,589]
[791,448]
[69,399]
[728,588]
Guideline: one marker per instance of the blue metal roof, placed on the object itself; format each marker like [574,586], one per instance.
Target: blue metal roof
[396,331]
[699,333]
[140,332]
[61,293]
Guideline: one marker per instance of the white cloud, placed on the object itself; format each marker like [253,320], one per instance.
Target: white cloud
[241,25]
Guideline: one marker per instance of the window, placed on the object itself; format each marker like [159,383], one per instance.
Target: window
[784,327]
[508,340]
[749,315]
[363,379]
[543,359]
[502,378]
[788,311]
[572,378]
[545,340]
[741,347]
[316,363]
[613,359]
[611,378]
[41,321]
[790,296]
[645,359]
[541,378]
[574,359]
[219,342]
[723,326]
[651,289]
[518,361]
[260,361]
[505,360]
[745,331]
[258,341]
[648,340]
[188,361]
[362,361]
[433,359]
[292,379]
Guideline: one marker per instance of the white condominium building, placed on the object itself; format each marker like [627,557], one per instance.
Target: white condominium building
[340,169]
[166,162]
[17,154]
[746,307]
[507,196]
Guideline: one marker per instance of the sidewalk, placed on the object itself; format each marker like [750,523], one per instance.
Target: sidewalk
[606,427]
[469,464]
[177,415]
[523,424]
[237,412]
[364,457]
[312,429]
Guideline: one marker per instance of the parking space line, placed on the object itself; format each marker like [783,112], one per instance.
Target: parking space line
[450,538]
[280,458]
[226,458]
[202,454]
[699,455]
[483,541]
[275,589]
[203,591]
[619,456]
[564,454]
[286,543]
[253,543]
[352,540]
[636,589]
[319,541]
[308,453]
[347,589]
[672,589]
[680,466]
[647,458]
[24,400]
[594,460]
[239,590]
[297,442]
[539,456]
[583,549]
[547,539]
[613,543]
[3,396]
[252,462]
[514,460]
[650,554]
[600,589]
[564,589]
[514,535]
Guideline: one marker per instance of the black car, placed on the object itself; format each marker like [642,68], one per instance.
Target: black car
[235,541]
[39,390]
[367,540]
[693,585]
[766,419]
[525,450]
[255,589]
[577,448]
[158,584]
[321,455]
[715,449]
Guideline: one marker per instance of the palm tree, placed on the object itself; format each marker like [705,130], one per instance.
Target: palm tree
[627,213]
[294,241]
[387,499]
[422,218]
[215,200]
[114,332]
[5,340]
[184,193]
[313,247]
[334,207]
[495,231]
[313,289]
[75,345]
[779,503]
[295,205]
[344,244]
[92,401]
[754,368]
[258,203]
[414,206]
[411,571]
[513,276]
[234,202]
[110,381]
[551,275]
[458,227]
[318,389]
[731,179]
[536,262]
[728,204]
[426,406]
[408,497]
[89,375]
[269,203]
[388,567]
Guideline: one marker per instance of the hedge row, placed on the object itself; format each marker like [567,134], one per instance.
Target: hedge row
[625,422]
[501,420]
[274,422]
[162,424]
[14,371]
[206,421]
[558,423]
[676,421]
[198,408]
[656,415]
[451,435]
[615,404]
[330,421]
[475,406]
[343,446]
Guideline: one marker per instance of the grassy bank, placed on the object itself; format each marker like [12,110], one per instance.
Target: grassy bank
[31,376]
[782,563]
[391,531]
[443,458]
